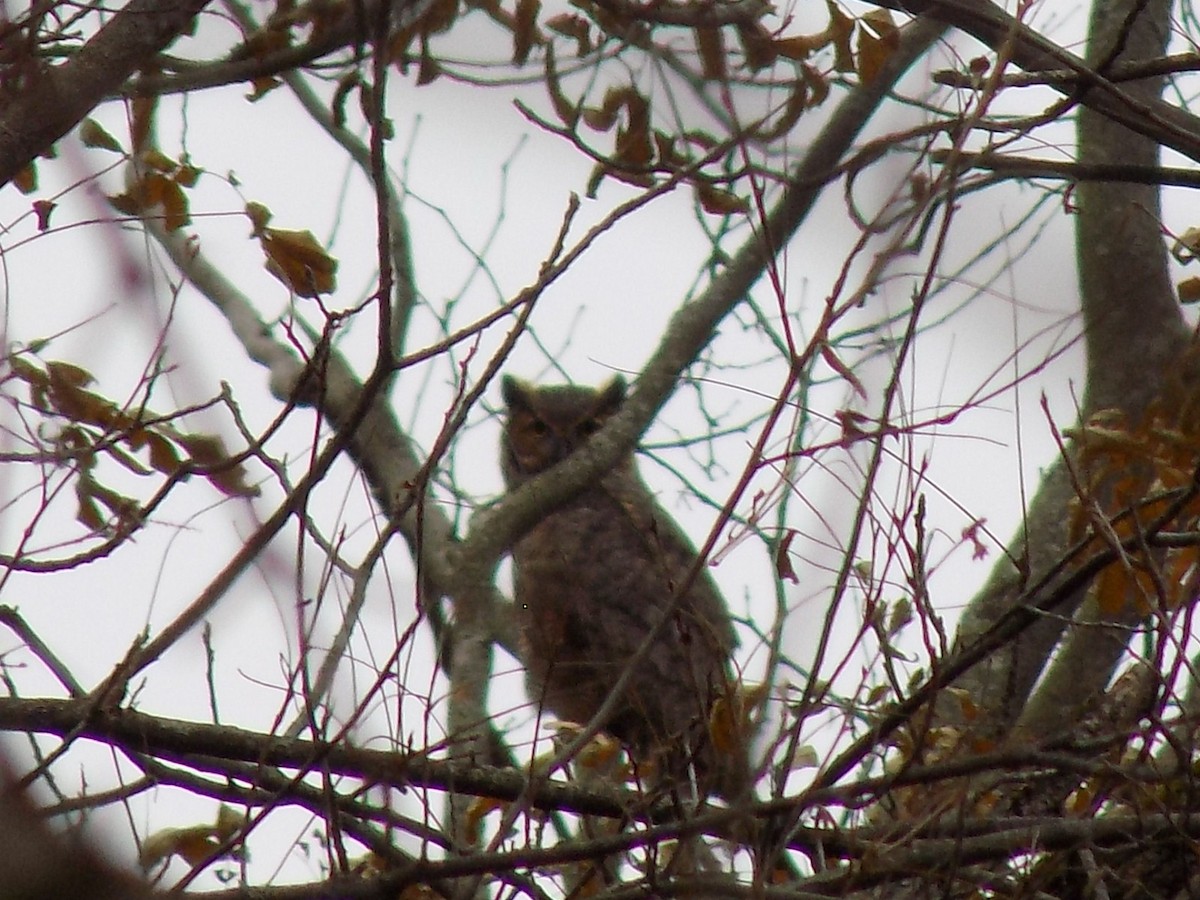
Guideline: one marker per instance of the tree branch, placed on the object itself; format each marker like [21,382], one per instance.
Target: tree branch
[1148,115]
[56,99]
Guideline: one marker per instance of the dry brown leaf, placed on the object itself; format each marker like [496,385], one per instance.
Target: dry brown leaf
[26,179]
[841,28]
[758,47]
[878,39]
[525,30]
[1189,291]
[783,560]
[42,209]
[92,134]
[574,27]
[567,111]
[299,261]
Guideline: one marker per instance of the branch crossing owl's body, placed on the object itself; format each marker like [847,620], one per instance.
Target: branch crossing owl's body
[594,577]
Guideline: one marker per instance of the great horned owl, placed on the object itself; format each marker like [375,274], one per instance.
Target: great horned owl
[593,578]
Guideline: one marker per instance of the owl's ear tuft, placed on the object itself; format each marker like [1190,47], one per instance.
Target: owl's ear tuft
[612,395]
[515,392]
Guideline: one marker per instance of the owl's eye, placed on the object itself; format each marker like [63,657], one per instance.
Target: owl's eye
[589,427]
[538,427]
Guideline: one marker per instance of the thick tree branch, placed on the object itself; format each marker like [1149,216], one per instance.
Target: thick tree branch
[57,98]
[180,741]
[1134,333]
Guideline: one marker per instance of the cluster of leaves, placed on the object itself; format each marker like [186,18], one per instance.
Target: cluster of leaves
[158,185]
[92,427]
[194,844]
[642,150]
[296,258]
[1140,473]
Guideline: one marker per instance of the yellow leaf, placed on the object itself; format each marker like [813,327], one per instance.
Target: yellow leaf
[599,754]
[729,718]
[126,203]
[478,809]
[162,454]
[93,135]
[193,844]
[259,216]
[805,757]
[261,86]
[1112,590]
[88,513]
[187,176]
[159,161]
[719,202]
[967,707]
[156,848]
[142,121]
[902,614]
[175,205]
[1187,246]
[229,822]
[64,374]
[1079,803]
[208,452]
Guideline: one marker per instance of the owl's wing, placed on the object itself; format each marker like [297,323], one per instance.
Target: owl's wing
[664,540]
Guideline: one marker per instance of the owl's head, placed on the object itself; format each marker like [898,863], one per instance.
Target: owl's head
[546,423]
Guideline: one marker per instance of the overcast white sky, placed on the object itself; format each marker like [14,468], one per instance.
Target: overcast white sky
[605,316]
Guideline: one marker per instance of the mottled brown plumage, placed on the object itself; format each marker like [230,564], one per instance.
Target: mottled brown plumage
[592,579]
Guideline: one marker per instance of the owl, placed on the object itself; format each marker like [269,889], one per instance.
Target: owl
[592,579]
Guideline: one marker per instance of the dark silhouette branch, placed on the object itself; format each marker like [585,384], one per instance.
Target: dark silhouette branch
[1019,44]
